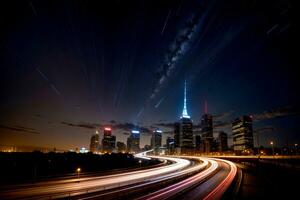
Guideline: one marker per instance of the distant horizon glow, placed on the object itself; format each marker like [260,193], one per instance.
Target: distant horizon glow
[60,84]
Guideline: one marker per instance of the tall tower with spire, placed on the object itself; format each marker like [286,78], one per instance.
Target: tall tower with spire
[184,111]
[183,131]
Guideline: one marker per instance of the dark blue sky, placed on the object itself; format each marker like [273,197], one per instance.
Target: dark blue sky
[69,67]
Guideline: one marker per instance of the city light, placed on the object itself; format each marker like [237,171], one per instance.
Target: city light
[83,150]
[78,173]
[135,131]
[201,96]
[184,111]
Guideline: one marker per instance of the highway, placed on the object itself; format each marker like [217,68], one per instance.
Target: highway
[201,164]
[193,177]
[216,185]
[75,186]
[210,183]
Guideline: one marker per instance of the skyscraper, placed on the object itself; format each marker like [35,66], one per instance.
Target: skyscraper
[242,133]
[121,147]
[223,141]
[94,145]
[156,139]
[133,141]
[198,143]
[108,141]
[207,132]
[170,145]
[177,135]
[183,130]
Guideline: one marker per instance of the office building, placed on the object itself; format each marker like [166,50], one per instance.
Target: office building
[121,147]
[242,133]
[223,141]
[133,142]
[198,143]
[108,141]
[207,132]
[94,145]
[170,145]
[156,139]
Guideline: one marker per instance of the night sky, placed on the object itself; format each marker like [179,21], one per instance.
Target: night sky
[68,68]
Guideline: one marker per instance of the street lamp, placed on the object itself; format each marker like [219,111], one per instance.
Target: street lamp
[272,143]
[140,161]
[78,172]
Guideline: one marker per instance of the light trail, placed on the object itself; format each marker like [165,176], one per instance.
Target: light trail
[99,183]
[156,180]
[181,167]
[224,185]
[199,178]
[182,185]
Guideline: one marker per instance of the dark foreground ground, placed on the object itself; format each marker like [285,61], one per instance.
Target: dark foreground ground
[35,166]
[269,181]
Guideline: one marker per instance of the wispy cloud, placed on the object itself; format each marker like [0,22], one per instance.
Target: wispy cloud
[283,111]
[126,133]
[17,128]
[265,129]
[221,124]
[123,126]
[165,125]
[129,126]
[82,125]
[277,112]
[222,115]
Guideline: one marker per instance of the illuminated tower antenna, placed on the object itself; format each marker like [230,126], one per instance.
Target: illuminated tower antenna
[205,107]
[184,111]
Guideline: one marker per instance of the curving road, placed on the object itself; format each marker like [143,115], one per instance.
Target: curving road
[216,185]
[198,178]
[197,166]
[211,181]
[71,187]
[208,184]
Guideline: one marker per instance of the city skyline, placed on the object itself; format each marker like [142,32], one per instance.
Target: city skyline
[149,99]
[202,126]
[69,70]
